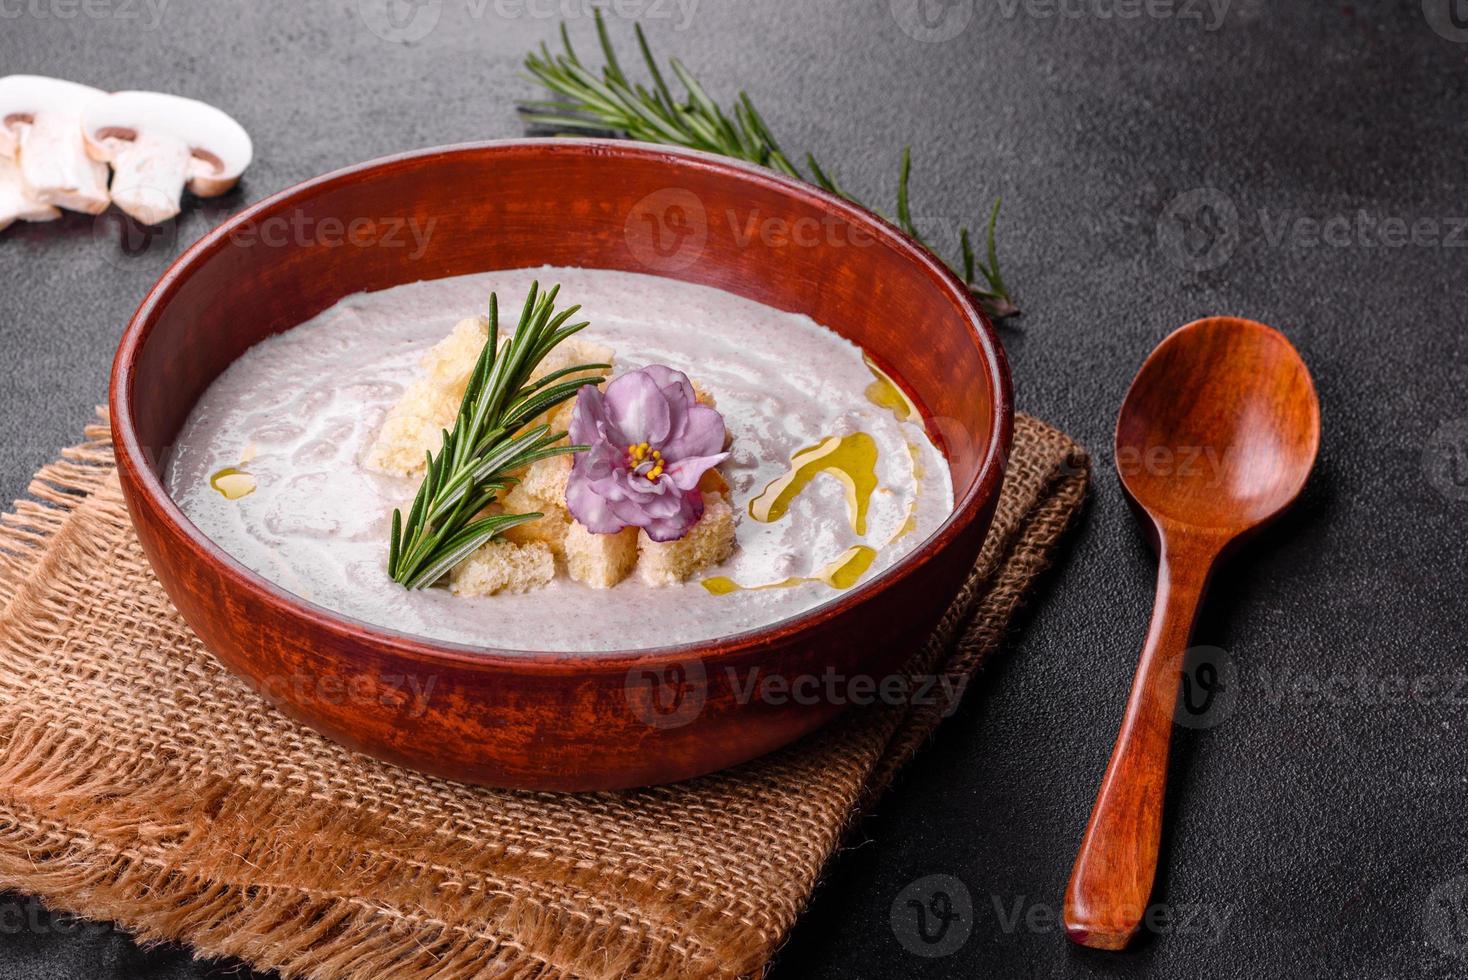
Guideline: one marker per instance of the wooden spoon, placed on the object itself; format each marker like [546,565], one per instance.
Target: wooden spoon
[1217,435]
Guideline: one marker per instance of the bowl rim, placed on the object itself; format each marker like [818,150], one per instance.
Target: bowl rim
[130,456]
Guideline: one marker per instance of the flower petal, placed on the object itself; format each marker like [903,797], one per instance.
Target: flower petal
[702,435]
[674,526]
[589,507]
[589,416]
[685,473]
[638,408]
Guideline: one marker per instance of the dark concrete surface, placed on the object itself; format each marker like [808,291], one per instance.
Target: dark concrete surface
[1154,168]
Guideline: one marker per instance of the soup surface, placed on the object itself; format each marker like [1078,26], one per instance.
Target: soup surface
[832,477]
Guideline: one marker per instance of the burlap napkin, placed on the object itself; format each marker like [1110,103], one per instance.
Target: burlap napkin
[139,783]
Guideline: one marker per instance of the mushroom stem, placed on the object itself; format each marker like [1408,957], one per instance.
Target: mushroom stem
[55,166]
[148,177]
[16,202]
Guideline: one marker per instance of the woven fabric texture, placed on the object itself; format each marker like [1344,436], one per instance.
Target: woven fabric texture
[141,783]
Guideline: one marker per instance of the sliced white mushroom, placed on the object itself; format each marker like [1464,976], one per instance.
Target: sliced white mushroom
[16,201]
[157,143]
[40,128]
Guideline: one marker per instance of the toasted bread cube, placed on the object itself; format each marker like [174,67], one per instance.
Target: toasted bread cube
[713,484]
[707,543]
[449,362]
[549,530]
[414,426]
[600,560]
[544,481]
[504,566]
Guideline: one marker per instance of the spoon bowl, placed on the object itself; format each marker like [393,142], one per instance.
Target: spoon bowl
[1220,428]
[1217,435]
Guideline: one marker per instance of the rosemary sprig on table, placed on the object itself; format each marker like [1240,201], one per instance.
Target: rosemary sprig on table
[489,441]
[610,102]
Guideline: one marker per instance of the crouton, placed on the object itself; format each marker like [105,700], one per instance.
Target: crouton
[504,566]
[713,484]
[550,529]
[414,425]
[600,560]
[544,481]
[707,543]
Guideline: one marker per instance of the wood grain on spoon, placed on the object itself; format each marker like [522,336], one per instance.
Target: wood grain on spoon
[1217,436]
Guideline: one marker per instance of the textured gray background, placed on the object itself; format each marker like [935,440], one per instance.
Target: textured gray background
[1327,831]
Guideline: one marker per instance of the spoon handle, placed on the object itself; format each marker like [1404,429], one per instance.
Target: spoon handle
[1111,880]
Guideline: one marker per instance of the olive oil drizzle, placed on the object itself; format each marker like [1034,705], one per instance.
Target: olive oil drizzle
[851,459]
[842,573]
[233,483]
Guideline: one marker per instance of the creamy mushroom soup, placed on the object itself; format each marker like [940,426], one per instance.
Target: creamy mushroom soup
[830,475]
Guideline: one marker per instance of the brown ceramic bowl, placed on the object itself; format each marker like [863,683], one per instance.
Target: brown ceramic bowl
[525,718]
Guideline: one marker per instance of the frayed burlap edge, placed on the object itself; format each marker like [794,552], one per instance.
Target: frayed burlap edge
[109,873]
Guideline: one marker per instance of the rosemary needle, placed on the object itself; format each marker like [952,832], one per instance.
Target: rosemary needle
[492,438]
[610,102]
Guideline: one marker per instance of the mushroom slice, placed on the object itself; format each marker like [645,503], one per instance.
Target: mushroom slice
[40,128]
[16,202]
[157,143]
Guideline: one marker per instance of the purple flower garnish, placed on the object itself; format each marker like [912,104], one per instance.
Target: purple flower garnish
[650,443]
